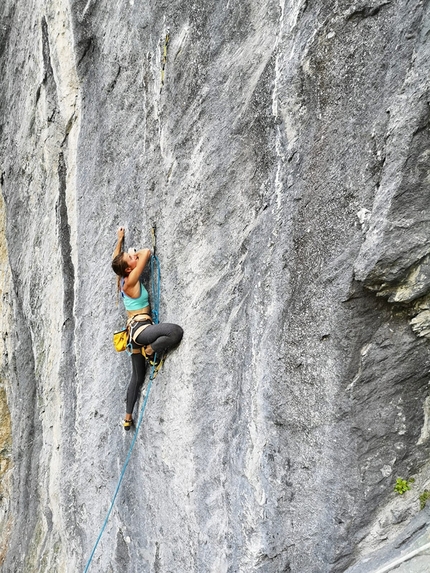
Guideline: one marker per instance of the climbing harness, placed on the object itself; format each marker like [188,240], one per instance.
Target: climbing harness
[156,364]
[137,324]
[164,58]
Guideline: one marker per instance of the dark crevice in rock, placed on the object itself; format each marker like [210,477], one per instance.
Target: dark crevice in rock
[64,240]
[37,96]
[366,11]
[113,82]
[68,128]
[46,53]
[411,533]
[157,560]
[424,124]
[67,373]
[48,80]
[87,49]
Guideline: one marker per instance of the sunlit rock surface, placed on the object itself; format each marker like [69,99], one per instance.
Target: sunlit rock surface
[282,149]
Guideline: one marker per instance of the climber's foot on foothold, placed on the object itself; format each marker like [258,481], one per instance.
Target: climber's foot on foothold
[127,424]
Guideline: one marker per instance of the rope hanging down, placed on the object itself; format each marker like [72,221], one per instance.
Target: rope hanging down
[155,280]
[155,287]
[151,378]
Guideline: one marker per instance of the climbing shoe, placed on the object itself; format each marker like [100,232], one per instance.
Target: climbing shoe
[127,424]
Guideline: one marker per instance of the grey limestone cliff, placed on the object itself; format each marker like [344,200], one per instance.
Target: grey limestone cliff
[282,149]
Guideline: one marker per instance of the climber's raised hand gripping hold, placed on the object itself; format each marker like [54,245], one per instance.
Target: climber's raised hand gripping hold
[143,334]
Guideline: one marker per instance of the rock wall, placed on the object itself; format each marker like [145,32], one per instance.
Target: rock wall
[281,148]
[5,419]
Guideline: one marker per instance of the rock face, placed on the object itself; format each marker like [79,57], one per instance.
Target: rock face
[282,148]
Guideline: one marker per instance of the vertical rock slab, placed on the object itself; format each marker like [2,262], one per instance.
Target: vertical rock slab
[6,465]
[39,97]
[286,197]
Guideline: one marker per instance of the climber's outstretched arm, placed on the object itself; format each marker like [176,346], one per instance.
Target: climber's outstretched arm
[137,263]
[119,244]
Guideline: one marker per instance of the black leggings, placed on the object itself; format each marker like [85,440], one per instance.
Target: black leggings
[161,337]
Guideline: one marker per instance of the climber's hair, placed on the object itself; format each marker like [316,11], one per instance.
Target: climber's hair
[119,265]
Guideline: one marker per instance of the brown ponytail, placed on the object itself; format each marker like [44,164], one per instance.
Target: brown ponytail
[119,266]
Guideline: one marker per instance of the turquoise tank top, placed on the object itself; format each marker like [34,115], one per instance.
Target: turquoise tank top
[135,303]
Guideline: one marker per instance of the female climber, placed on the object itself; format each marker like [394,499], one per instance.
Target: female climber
[152,338]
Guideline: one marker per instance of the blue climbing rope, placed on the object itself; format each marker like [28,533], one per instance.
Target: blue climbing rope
[155,288]
[155,306]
